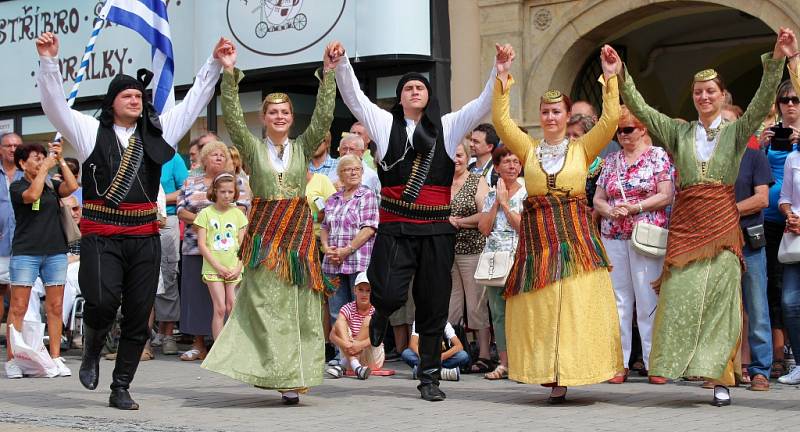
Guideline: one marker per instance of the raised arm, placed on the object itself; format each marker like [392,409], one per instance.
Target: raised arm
[177,121]
[459,123]
[762,101]
[599,136]
[517,141]
[376,120]
[323,111]
[79,129]
[663,128]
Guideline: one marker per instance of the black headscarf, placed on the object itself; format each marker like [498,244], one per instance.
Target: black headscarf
[124,82]
[148,125]
[428,129]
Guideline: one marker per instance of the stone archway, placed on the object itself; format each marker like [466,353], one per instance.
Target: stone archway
[555,38]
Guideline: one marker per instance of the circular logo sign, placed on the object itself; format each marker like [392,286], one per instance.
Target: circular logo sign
[282,27]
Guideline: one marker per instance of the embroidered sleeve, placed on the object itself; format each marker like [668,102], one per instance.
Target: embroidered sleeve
[322,117]
[663,128]
[761,103]
[517,141]
[598,137]
[232,115]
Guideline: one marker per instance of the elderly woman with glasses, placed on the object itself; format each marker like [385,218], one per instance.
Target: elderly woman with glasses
[348,231]
[635,186]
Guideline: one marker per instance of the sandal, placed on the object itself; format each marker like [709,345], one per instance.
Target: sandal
[146,355]
[482,365]
[745,376]
[193,354]
[778,369]
[500,372]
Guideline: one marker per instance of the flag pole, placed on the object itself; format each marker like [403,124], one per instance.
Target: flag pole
[87,53]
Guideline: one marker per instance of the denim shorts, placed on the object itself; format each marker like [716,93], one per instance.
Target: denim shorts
[25,269]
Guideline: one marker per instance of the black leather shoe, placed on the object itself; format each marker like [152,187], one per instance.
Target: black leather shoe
[120,398]
[430,392]
[721,402]
[377,329]
[89,372]
[290,400]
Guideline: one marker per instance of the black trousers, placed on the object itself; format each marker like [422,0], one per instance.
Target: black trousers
[122,271]
[428,259]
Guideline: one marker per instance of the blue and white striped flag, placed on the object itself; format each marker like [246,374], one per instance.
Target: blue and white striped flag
[149,19]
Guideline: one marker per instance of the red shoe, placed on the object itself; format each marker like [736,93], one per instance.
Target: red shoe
[619,378]
[652,379]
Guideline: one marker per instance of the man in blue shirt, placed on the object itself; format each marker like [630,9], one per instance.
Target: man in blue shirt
[10,174]
[167,304]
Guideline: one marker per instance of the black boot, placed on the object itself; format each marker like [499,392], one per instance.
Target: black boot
[377,328]
[428,371]
[93,341]
[128,355]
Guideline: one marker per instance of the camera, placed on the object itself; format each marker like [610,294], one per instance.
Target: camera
[780,141]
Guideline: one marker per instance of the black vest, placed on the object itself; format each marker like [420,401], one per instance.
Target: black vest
[101,166]
[440,173]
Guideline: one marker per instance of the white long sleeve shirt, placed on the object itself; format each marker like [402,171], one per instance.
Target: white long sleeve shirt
[790,190]
[378,122]
[81,129]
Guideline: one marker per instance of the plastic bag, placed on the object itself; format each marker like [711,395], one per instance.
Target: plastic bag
[29,352]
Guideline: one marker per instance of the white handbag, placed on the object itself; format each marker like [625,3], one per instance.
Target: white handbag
[789,250]
[493,268]
[649,240]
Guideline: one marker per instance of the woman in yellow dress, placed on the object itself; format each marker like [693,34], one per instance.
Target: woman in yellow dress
[561,316]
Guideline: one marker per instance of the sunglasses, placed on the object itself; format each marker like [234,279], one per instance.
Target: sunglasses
[626,130]
[786,99]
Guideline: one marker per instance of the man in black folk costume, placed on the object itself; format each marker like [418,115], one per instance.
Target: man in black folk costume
[122,153]
[415,150]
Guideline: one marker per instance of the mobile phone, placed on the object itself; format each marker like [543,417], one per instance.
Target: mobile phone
[780,141]
[320,203]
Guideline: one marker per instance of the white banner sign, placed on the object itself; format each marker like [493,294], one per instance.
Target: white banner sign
[269,33]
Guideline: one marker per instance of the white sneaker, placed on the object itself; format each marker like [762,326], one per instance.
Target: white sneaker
[453,374]
[793,377]
[12,370]
[156,340]
[63,370]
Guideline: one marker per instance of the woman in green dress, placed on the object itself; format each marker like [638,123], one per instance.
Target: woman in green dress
[697,324]
[273,338]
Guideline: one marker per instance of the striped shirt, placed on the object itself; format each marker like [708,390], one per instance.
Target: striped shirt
[354,318]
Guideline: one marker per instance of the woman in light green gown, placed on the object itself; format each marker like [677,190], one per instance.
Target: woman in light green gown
[698,320]
[273,338]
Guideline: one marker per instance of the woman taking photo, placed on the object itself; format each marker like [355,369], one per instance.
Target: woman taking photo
[273,338]
[466,202]
[790,207]
[197,310]
[561,318]
[37,210]
[348,232]
[787,105]
[500,222]
[698,322]
[635,186]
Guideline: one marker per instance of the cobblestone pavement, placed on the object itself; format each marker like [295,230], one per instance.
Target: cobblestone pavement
[179,396]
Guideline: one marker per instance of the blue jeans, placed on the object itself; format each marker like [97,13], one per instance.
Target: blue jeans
[343,295]
[754,292]
[790,303]
[458,359]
